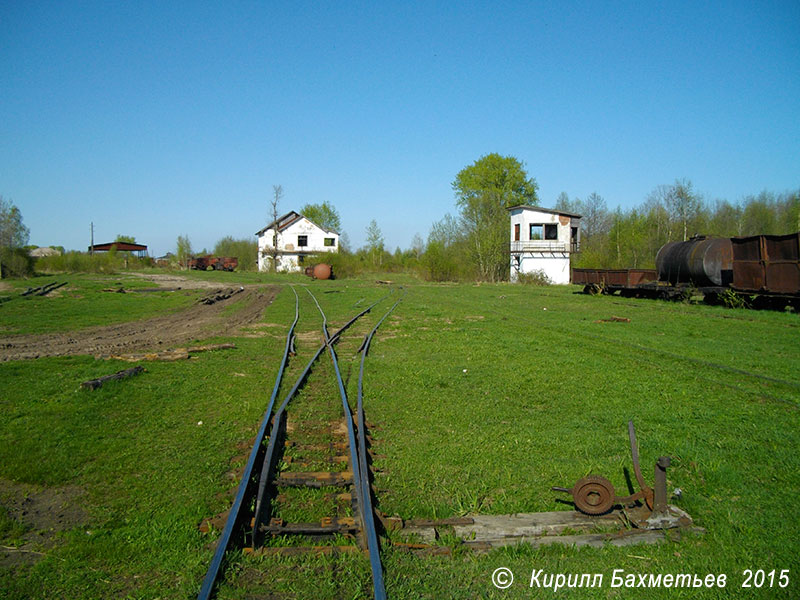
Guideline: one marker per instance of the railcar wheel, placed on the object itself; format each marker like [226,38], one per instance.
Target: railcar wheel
[593,495]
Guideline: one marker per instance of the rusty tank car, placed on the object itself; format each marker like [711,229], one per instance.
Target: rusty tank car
[761,271]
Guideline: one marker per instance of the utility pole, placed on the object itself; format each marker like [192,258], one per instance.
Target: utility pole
[91,248]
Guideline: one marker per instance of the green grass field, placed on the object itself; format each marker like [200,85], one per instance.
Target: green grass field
[482,397]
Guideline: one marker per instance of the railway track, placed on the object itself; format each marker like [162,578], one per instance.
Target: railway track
[299,461]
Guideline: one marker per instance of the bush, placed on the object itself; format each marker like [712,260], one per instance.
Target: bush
[246,251]
[83,262]
[344,264]
[16,262]
[538,277]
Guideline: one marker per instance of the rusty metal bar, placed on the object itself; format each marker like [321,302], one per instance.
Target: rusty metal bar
[635,455]
[660,486]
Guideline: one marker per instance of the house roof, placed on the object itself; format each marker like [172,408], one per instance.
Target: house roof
[289,219]
[127,246]
[544,210]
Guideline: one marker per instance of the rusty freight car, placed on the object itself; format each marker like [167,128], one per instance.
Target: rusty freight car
[217,263]
[761,271]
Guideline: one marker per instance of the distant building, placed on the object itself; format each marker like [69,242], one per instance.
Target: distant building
[542,241]
[139,249]
[298,237]
[44,251]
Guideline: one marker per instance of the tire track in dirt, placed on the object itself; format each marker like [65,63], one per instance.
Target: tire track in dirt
[158,333]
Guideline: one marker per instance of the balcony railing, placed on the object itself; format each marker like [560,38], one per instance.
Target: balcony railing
[540,246]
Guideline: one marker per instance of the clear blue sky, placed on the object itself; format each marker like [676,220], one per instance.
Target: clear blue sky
[156,119]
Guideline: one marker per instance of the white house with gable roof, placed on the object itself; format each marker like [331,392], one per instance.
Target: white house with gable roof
[542,241]
[298,237]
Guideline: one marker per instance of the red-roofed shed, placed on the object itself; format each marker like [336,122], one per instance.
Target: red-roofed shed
[141,249]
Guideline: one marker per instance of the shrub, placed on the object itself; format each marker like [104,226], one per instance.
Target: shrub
[245,250]
[16,262]
[538,277]
[83,262]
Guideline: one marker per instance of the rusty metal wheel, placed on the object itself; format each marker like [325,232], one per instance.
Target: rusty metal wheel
[593,495]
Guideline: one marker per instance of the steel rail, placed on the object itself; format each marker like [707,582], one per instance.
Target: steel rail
[358,474]
[234,515]
[366,501]
[279,422]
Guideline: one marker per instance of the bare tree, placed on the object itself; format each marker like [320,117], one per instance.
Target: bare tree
[277,194]
[684,205]
[595,215]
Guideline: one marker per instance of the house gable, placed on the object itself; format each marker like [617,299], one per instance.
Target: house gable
[297,237]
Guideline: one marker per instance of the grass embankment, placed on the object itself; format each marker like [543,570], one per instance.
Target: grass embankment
[481,401]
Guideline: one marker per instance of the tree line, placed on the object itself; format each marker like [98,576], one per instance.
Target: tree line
[631,238]
[473,244]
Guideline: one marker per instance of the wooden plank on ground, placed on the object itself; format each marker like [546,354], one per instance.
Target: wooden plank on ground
[93,384]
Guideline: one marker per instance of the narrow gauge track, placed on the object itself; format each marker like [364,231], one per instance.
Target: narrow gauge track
[260,479]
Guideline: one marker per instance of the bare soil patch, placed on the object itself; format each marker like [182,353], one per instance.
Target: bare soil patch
[158,333]
[177,281]
[41,513]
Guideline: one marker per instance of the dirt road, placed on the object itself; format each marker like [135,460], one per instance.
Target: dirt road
[159,333]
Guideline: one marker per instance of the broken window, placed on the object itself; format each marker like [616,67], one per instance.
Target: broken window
[536,232]
[302,240]
[330,242]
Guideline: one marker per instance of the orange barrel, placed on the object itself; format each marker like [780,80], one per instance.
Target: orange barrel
[322,271]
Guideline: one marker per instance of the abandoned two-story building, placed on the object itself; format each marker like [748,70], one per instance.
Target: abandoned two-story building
[297,238]
[542,241]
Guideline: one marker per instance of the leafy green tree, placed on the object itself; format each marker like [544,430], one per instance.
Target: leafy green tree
[14,259]
[375,243]
[183,251]
[726,220]
[246,251]
[445,254]
[13,233]
[791,213]
[760,215]
[324,215]
[125,238]
[484,190]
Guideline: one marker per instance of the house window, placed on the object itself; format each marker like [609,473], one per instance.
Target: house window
[516,232]
[551,232]
[301,259]
[302,240]
[330,242]
[536,232]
